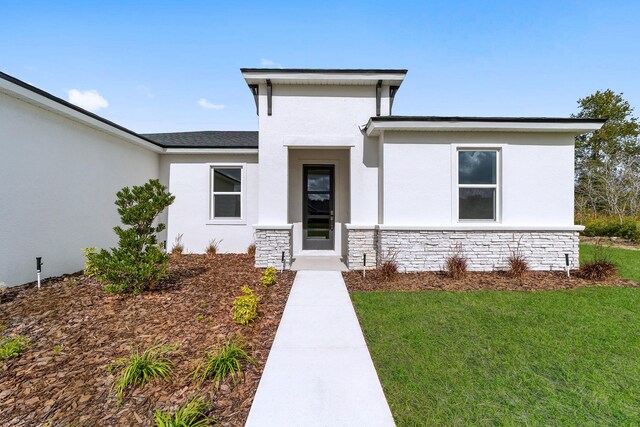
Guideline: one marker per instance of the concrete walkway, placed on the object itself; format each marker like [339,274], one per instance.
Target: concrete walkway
[319,371]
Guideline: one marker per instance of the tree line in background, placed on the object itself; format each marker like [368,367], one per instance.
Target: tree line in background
[607,176]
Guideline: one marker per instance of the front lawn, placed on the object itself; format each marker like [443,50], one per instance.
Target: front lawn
[564,357]
[627,260]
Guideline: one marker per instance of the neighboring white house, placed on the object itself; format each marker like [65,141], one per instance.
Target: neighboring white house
[330,171]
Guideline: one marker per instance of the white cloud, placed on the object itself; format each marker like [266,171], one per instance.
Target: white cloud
[269,63]
[208,105]
[90,100]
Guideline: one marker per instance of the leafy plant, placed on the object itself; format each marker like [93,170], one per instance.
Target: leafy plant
[224,361]
[12,346]
[3,289]
[138,262]
[268,276]
[251,250]
[245,307]
[139,369]
[518,265]
[212,247]
[57,349]
[600,267]
[457,263]
[191,414]
[178,247]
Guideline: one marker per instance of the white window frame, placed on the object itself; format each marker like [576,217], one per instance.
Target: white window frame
[497,186]
[242,193]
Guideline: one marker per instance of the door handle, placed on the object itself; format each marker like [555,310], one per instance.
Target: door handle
[331,220]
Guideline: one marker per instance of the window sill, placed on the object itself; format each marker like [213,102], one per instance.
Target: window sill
[226,222]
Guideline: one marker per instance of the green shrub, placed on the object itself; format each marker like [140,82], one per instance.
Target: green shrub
[628,229]
[140,368]
[138,262]
[268,277]
[245,307]
[191,414]
[3,289]
[12,346]
[225,360]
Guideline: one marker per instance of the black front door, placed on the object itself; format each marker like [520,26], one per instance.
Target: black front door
[318,207]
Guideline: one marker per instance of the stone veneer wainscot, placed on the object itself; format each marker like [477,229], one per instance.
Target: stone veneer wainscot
[271,241]
[486,250]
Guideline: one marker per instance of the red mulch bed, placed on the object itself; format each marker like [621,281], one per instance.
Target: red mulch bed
[474,281]
[193,309]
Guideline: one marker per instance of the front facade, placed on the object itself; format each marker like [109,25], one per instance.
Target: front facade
[332,172]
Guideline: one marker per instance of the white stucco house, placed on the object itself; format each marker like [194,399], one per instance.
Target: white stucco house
[331,171]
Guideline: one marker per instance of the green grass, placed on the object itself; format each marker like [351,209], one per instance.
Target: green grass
[507,358]
[627,260]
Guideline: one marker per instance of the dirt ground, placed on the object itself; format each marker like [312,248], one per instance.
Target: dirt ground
[533,281]
[77,330]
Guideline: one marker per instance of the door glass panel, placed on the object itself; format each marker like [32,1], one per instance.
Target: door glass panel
[318,228]
[318,204]
[318,180]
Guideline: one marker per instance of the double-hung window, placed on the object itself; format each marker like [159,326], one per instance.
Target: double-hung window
[226,193]
[478,177]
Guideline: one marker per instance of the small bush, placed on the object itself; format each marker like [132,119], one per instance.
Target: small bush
[178,247]
[518,265]
[388,270]
[457,263]
[251,250]
[141,368]
[599,267]
[268,277]
[57,349]
[191,414]
[12,346]
[212,247]
[138,262]
[245,307]
[224,361]
[3,289]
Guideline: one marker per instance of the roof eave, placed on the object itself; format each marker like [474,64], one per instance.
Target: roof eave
[576,127]
[312,76]
[32,95]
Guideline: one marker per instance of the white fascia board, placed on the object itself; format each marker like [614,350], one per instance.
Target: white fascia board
[273,226]
[210,151]
[310,78]
[375,128]
[40,101]
[318,141]
[482,227]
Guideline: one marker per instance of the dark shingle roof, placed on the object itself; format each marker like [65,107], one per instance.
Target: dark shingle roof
[485,119]
[206,139]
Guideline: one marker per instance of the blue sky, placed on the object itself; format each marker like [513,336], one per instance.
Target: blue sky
[153,61]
